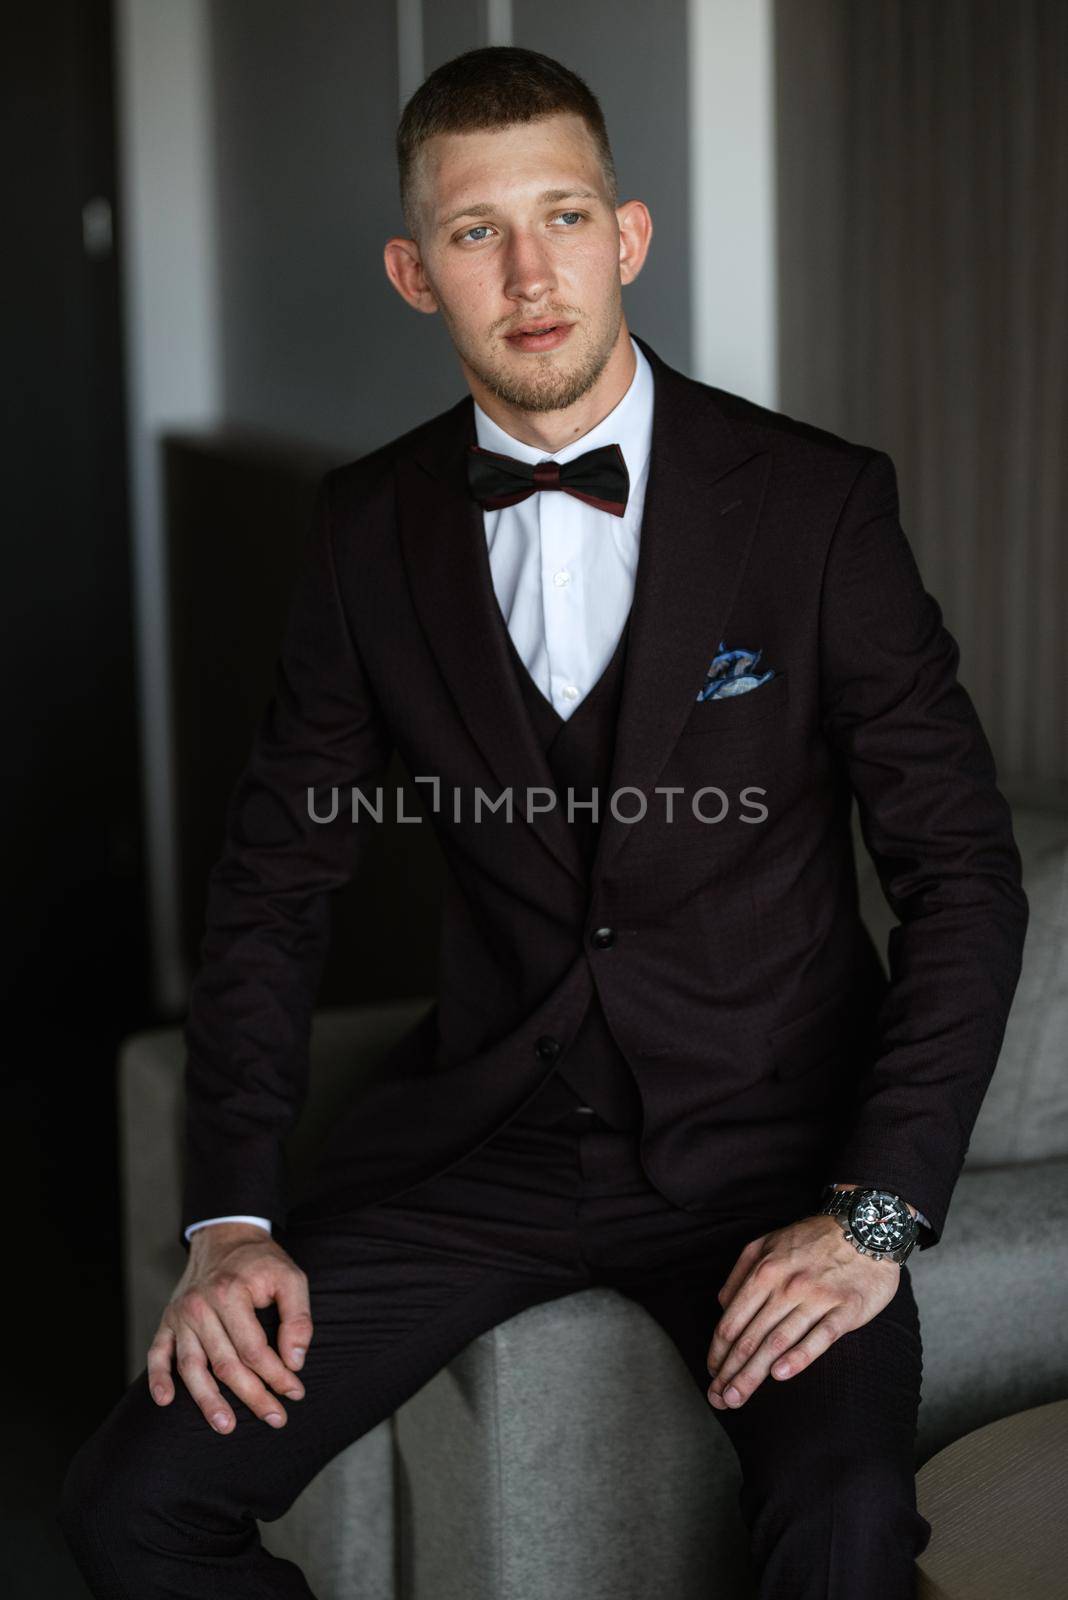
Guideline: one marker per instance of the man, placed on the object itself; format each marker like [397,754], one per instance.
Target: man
[662,1029]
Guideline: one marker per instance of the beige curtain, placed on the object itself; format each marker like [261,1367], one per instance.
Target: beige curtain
[923,265]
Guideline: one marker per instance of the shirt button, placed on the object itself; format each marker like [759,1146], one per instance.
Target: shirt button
[561,578]
[570,692]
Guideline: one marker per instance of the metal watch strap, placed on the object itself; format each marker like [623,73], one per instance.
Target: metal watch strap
[836,1202]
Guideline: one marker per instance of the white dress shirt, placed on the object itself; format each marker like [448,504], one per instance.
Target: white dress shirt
[563,571]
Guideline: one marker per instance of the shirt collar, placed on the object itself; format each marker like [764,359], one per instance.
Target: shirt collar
[629,424]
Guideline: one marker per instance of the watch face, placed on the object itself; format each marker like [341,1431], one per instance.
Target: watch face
[880,1220]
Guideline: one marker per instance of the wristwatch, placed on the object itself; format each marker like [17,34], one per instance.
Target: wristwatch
[877,1221]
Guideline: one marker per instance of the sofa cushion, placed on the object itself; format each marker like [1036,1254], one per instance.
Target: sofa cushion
[563,1454]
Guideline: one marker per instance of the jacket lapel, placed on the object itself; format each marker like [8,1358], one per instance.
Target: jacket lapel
[443,543]
[702,500]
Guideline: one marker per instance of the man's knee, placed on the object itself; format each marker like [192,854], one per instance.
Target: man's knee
[95,1510]
[113,1503]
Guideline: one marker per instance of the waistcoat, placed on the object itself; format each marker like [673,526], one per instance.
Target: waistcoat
[592,1071]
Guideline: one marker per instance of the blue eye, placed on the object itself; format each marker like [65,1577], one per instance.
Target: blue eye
[484,227]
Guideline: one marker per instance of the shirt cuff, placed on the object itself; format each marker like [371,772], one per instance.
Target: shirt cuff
[261,1222]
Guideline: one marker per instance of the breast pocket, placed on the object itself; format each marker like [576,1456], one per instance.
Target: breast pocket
[740,710]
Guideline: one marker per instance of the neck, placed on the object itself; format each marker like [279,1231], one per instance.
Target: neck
[553,430]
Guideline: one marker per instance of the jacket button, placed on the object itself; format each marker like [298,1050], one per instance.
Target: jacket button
[604,938]
[547,1047]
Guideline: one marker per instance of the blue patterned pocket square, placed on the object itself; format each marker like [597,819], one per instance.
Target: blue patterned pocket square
[732,672]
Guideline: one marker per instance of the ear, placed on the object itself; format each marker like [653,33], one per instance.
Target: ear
[404,269]
[635,236]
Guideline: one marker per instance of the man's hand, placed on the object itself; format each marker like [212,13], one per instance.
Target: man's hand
[790,1295]
[210,1326]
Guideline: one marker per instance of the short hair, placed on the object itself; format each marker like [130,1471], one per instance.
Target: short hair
[494,87]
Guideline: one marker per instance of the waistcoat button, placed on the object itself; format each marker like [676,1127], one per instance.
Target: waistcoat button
[547,1047]
[604,938]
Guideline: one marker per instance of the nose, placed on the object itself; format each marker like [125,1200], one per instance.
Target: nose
[529,273]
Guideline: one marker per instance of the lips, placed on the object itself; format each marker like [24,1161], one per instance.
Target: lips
[546,335]
[535,327]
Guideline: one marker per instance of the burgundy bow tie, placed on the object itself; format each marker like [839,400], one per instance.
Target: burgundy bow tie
[599,477]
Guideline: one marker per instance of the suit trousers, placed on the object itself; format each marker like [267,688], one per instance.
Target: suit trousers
[155,1503]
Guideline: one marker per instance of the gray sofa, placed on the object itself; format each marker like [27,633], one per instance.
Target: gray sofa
[530,1467]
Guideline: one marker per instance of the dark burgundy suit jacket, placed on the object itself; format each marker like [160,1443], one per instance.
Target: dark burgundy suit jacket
[770,1049]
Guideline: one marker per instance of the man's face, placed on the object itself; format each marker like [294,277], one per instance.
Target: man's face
[517,227]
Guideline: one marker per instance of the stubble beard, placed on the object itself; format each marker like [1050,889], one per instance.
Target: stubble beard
[546,385]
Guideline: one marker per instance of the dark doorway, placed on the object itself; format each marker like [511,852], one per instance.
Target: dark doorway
[76,978]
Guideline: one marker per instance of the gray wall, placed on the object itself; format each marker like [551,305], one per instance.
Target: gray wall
[633,56]
[314,343]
